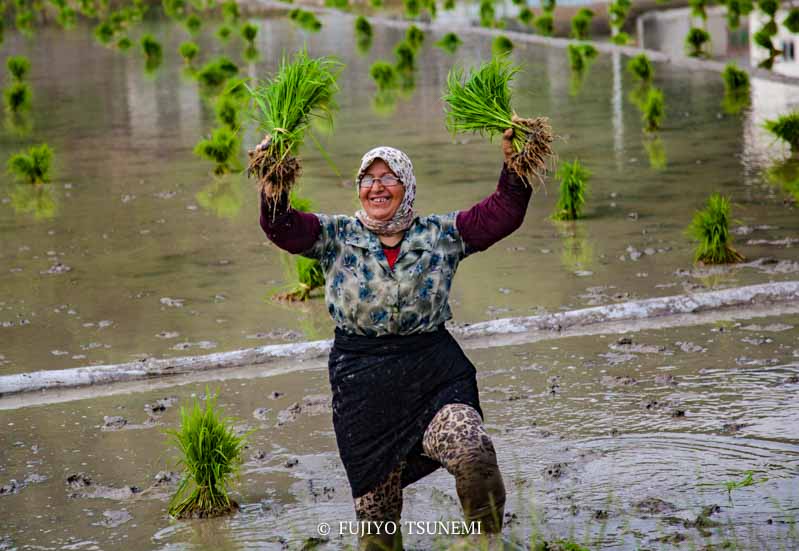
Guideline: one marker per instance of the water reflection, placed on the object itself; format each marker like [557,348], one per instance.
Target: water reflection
[577,253]
[785,174]
[36,199]
[656,152]
[223,197]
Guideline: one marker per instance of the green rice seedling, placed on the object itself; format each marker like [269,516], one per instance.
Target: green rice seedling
[223,197]
[791,21]
[188,51]
[223,33]
[656,152]
[786,128]
[736,89]
[501,45]
[18,67]
[216,72]
[573,187]
[151,47]
[621,38]
[174,9]
[34,166]
[617,13]
[487,13]
[545,24]
[406,56]
[193,24]
[769,7]
[305,20]
[736,9]
[698,8]
[67,17]
[449,43]
[226,108]
[302,89]
[17,97]
[581,23]
[548,5]
[221,148]
[248,32]
[338,4]
[124,44]
[384,75]
[415,37]
[104,33]
[747,480]
[763,39]
[230,12]
[412,8]
[449,5]
[641,68]
[24,22]
[211,455]
[580,56]
[526,16]
[654,110]
[695,41]
[710,227]
[480,102]
[431,7]
[363,34]
[376,3]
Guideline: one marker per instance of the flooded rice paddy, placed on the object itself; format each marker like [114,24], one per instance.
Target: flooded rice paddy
[137,251]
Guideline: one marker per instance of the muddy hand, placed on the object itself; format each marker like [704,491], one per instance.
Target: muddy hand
[507,144]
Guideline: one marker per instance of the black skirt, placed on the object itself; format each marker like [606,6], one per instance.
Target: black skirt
[386,390]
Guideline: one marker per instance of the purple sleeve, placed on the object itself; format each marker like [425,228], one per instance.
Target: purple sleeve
[496,216]
[289,229]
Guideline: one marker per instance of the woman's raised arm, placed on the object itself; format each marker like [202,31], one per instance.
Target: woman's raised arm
[289,229]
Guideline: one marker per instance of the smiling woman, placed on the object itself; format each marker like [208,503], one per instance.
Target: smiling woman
[388,273]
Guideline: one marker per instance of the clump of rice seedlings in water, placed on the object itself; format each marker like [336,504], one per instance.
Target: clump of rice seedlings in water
[226,108]
[18,67]
[698,8]
[449,43]
[284,106]
[24,21]
[487,13]
[412,8]
[502,45]
[338,4]
[763,39]
[641,68]
[545,24]
[526,16]
[221,148]
[406,56]
[432,9]
[736,89]
[449,5]
[695,42]
[216,72]
[174,9]
[581,23]
[17,97]
[193,24]
[481,102]
[654,110]
[151,48]
[786,128]
[305,20]
[248,32]
[711,228]
[786,175]
[621,38]
[384,75]
[223,33]
[573,187]
[735,9]
[32,167]
[791,21]
[580,56]
[230,12]
[36,200]
[211,455]
[414,36]
[188,51]
[363,34]
[124,44]
[104,33]
[617,14]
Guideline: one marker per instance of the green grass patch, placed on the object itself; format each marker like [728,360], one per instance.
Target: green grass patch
[33,167]
[710,227]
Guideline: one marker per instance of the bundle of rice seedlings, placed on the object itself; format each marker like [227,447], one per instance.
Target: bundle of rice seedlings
[193,24]
[414,36]
[406,56]
[698,8]
[188,51]
[223,33]
[545,24]
[376,3]
[174,9]
[221,148]
[151,47]
[695,41]
[17,97]
[34,166]
[656,152]
[449,5]
[526,16]
[216,72]
[363,34]
[581,23]
[449,43]
[711,228]
[487,13]
[305,20]
[573,186]
[230,12]
[284,106]
[412,8]
[481,102]
[248,32]
[104,33]
[791,21]
[641,68]
[18,67]
[67,17]
[617,13]
[502,45]
[580,56]
[211,455]
[654,110]
[384,75]
[786,128]
[621,38]
[735,79]
[124,44]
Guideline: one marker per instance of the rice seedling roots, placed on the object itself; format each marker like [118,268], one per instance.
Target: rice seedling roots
[533,158]
[275,176]
[197,512]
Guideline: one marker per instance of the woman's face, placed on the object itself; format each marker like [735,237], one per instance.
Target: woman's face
[380,202]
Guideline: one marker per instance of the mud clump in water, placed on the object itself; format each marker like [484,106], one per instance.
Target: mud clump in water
[311,405]
[158,407]
[556,471]
[261,413]
[732,428]
[617,381]
[113,422]
[13,487]
[654,506]
[84,487]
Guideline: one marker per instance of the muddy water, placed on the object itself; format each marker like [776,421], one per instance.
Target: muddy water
[135,250]
[620,442]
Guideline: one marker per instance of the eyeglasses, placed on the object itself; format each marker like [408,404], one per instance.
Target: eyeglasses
[389,180]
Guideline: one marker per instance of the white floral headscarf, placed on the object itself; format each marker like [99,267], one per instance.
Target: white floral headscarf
[401,166]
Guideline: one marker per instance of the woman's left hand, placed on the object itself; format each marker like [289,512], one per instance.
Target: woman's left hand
[507,145]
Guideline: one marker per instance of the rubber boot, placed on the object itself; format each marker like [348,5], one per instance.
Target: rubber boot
[482,496]
[380,542]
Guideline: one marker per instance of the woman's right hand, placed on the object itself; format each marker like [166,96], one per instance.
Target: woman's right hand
[507,145]
[264,143]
